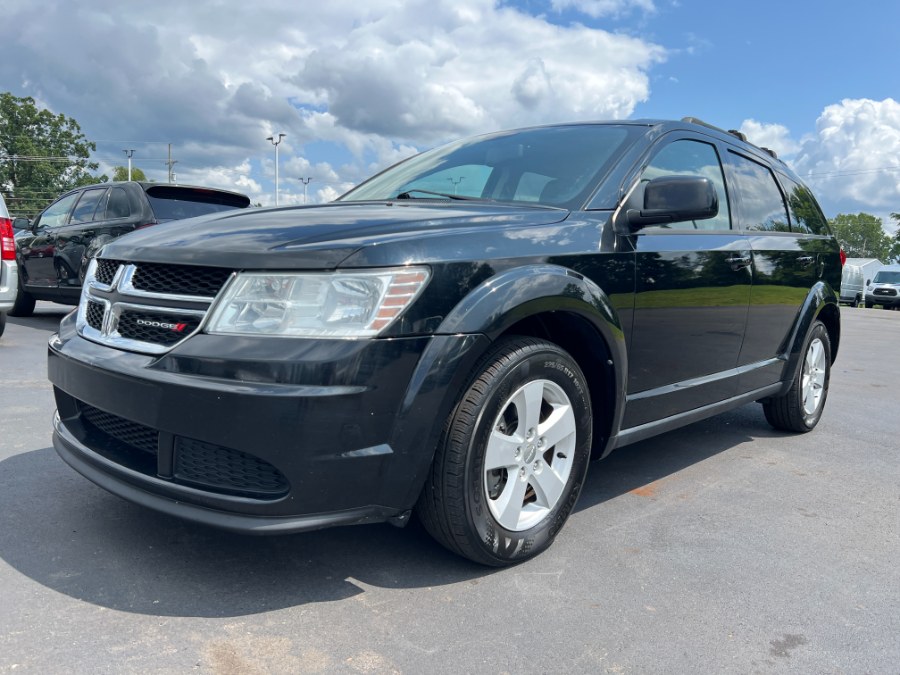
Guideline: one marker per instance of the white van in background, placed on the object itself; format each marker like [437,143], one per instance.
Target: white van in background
[853,279]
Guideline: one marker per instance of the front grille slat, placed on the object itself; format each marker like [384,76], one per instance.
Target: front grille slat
[180,279]
[130,433]
[197,464]
[224,469]
[153,306]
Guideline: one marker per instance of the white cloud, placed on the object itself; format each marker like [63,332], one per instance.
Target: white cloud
[854,155]
[379,78]
[598,8]
[773,136]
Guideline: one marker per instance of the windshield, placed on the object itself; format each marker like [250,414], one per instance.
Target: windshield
[887,277]
[554,166]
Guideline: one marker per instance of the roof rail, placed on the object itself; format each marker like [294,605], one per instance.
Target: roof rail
[697,120]
[733,132]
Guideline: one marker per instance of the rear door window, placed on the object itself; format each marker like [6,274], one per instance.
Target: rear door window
[87,206]
[806,216]
[174,203]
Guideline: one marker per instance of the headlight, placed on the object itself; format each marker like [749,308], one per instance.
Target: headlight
[338,304]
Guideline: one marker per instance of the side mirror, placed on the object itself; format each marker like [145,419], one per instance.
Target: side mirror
[21,223]
[868,282]
[672,199]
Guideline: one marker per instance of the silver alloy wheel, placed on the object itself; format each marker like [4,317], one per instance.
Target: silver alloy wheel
[812,383]
[529,455]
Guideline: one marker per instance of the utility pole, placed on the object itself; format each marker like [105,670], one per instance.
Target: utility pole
[170,163]
[305,182]
[275,141]
[456,183]
[128,154]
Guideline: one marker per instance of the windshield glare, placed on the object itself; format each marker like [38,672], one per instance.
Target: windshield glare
[554,166]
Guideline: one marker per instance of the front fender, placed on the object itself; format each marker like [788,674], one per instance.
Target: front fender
[511,296]
[493,308]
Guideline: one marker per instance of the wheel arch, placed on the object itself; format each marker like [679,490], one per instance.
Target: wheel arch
[542,301]
[821,304]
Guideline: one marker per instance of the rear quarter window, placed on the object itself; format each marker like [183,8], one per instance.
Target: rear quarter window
[806,216]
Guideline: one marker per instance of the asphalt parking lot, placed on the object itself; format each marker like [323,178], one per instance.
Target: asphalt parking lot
[724,547]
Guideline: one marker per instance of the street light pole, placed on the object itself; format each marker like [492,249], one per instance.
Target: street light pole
[275,141]
[305,182]
[128,154]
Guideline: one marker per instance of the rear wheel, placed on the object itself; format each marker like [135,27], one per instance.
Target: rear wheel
[2,322]
[513,456]
[801,407]
[24,304]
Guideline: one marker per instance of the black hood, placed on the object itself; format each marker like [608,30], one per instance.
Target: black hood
[317,237]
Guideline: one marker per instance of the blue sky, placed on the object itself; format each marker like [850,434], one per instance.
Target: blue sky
[357,86]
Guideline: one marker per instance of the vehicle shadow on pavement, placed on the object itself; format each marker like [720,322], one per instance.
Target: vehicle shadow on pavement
[43,319]
[77,539]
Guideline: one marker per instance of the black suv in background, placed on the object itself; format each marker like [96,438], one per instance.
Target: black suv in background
[458,335]
[54,250]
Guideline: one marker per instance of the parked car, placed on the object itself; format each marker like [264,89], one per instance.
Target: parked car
[54,250]
[884,288]
[853,276]
[458,335]
[9,281]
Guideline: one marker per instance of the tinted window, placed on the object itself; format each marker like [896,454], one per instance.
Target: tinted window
[58,212]
[117,206]
[173,203]
[86,206]
[806,216]
[689,158]
[509,166]
[762,206]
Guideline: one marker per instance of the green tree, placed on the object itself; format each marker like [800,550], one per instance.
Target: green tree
[121,173]
[895,240]
[861,235]
[41,155]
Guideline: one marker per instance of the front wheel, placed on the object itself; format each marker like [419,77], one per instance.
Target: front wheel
[513,455]
[869,305]
[801,407]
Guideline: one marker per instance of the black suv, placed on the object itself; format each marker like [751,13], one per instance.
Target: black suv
[54,250]
[458,335]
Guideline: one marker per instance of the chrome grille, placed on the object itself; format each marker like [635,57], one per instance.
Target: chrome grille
[146,307]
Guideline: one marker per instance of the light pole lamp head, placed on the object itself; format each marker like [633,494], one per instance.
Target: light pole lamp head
[275,138]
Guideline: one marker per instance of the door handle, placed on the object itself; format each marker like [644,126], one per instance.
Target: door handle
[739,262]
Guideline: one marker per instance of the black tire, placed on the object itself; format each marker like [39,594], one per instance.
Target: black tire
[2,323]
[855,302]
[800,409]
[24,304]
[460,502]
[868,305]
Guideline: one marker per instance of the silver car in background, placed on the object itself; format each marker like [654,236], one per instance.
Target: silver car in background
[9,277]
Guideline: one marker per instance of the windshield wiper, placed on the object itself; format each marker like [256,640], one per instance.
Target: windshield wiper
[408,194]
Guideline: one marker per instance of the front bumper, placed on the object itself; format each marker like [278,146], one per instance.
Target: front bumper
[258,435]
[886,300]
